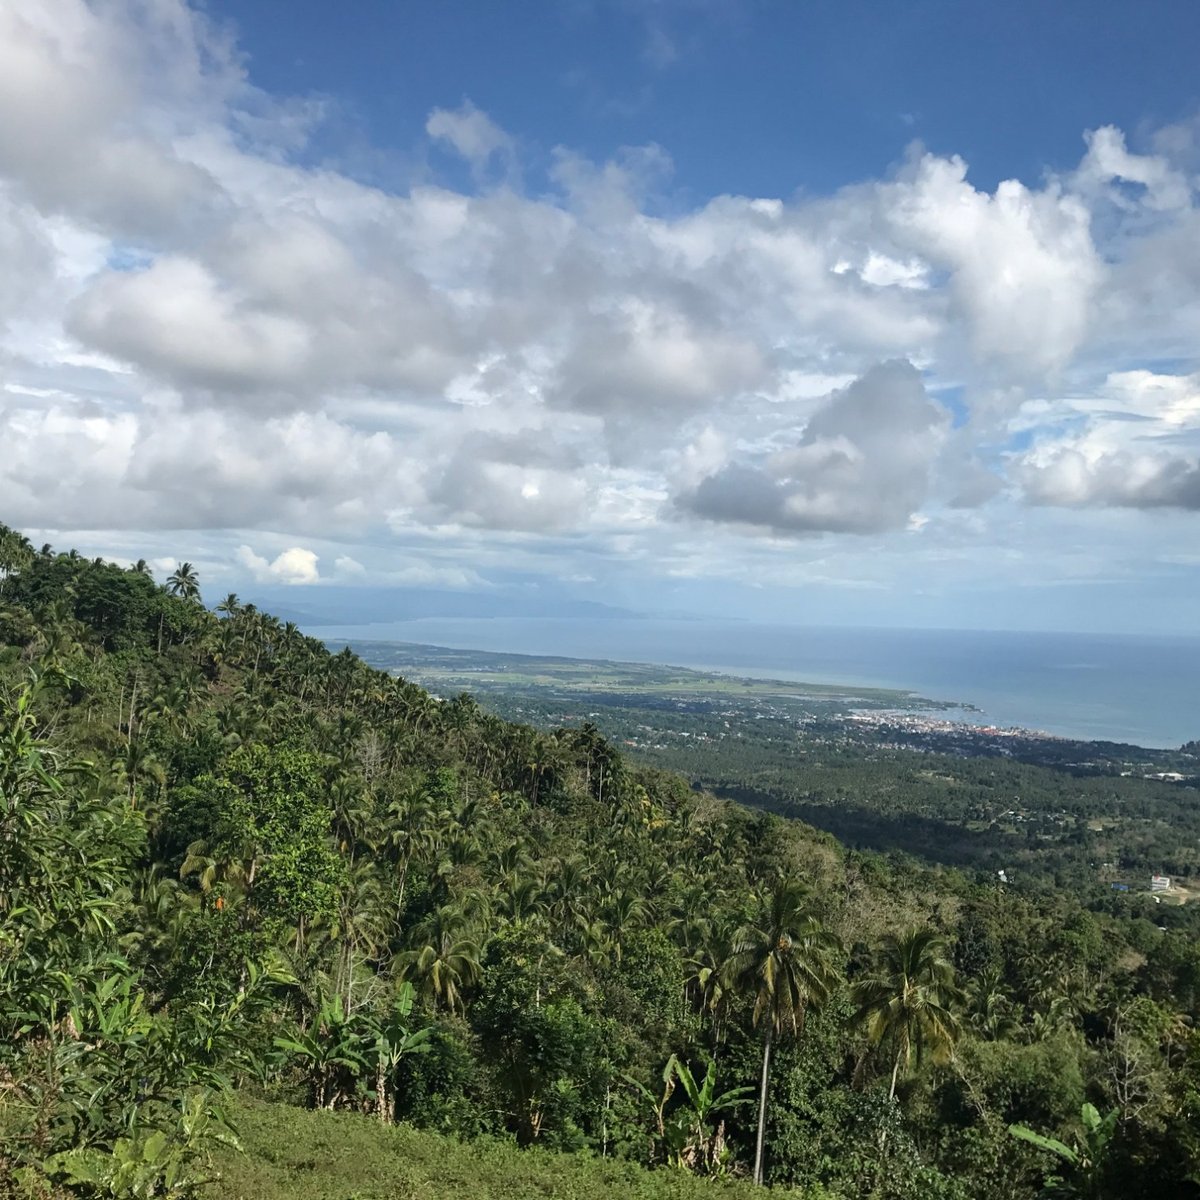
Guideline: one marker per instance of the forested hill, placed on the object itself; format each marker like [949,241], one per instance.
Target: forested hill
[230,858]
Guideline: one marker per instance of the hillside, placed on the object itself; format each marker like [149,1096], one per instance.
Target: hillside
[291,1154]
[879,770]
[231,859]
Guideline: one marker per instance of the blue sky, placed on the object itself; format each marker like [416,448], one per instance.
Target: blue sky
[759,98]
[837,313]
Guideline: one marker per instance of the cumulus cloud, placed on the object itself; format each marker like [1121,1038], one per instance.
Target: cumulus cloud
[1136,444]
[1108,164]
[80,137]
[349,567]
[861,464]
[431,575]
[1124,479]
[1023,269]
[175,317]
[287,311]
[163,468]
[200,329]
[295,565]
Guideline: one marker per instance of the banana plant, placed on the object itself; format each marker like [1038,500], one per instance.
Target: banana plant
[332,1045]
[686,1137]
[394,1042]
[704,1146]
[658,1103]
[1085,1159]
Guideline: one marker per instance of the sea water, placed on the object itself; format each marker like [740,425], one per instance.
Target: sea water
[1144,690]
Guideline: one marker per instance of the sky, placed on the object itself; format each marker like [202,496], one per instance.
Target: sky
[854,313]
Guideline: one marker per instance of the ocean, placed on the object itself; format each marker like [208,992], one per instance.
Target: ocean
[1144,690]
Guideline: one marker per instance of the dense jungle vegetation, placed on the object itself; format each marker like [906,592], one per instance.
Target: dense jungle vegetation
[230,860]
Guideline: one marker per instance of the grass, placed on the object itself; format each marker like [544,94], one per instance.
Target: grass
[294,1154]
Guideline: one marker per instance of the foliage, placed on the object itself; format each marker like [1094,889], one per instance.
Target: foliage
[1084,1160]
[232,859]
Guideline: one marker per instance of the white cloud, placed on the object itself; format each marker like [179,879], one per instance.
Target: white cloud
[519,482]
[200,330]
[1022,267]
[1079,477]
[429,575]
[174,317]
[292,566]
[163,468]
[861,464]
[1135,445]
[473,135]
[81,138]
[1108,163]
[349,567]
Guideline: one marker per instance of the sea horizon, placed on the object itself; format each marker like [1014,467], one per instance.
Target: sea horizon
[1141,689]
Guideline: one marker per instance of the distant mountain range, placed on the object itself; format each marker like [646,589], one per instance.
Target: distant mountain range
[336,605]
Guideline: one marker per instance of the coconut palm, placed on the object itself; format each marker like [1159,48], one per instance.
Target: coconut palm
[992,1013]
[184,582]
[16,551]
[786,961]
[909,999]
[138,762]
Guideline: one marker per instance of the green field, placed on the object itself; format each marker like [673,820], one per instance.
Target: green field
[484,672]
[294,1154]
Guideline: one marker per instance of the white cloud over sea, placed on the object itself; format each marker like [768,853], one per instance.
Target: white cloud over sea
[204,328]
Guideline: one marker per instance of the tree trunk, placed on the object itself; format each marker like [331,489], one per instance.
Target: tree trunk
[762,1107]
[382,1094]
[902,1051]
[132,702]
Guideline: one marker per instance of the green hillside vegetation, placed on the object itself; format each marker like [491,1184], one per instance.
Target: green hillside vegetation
[232,860]
[1049,812]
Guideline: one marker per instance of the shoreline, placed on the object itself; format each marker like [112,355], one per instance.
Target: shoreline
[905,710]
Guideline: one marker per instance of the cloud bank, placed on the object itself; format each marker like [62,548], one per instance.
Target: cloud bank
[204,328]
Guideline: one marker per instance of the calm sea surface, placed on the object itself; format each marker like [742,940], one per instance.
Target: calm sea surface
[1144,690]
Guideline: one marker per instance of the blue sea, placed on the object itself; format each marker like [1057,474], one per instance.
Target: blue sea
[1144,690]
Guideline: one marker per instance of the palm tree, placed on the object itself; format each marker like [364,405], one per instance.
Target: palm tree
[184,582]
[16,551]
[908,1000]
[992,1013]
[521,899]
[211,870]
[445,960]
[137,762]
[705,979]
[786,961]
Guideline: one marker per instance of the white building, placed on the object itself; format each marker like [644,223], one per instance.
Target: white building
[1160,883]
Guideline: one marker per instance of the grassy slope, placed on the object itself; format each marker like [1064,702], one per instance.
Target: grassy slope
[294,1154]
